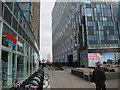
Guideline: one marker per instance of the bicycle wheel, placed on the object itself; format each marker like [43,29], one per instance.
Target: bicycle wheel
[46,76]
[45,84]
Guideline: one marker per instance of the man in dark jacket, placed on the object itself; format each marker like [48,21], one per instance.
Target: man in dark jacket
[99,77]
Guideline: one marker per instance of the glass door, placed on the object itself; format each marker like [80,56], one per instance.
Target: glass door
[4,68]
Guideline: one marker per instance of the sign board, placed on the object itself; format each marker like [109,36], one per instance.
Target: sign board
[11,39]
[19,44]
[93,58]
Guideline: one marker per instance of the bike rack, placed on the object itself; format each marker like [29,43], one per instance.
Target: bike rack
[35,79]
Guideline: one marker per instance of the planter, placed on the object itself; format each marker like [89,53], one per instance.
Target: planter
[77,73]
[112,75]
[88,75]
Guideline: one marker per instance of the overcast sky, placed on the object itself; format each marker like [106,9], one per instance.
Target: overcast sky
[46,28]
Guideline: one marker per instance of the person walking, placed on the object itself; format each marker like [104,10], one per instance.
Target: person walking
[99,77]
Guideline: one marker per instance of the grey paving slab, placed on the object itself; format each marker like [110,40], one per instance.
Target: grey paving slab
[64,79]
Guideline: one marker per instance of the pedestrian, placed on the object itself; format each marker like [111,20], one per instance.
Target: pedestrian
[40,64]
[43,66]
[99,77]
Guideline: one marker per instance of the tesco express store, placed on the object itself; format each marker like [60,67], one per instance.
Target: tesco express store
[19,54]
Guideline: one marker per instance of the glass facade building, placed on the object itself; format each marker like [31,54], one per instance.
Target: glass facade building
[26,9]
[83,28]
[19,53]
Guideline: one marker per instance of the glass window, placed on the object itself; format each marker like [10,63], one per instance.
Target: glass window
[107,12]
[10,5]
[15,24]
[27,65]
[98,8]
[110,23]
[20,18]
[13,68]
[8,37]
[25,6]
[104,18]
[101,35]
[20,67]
[95,12]
[116,32]
[4,68]
[88,12]
[100,26]
[7,15]
[20,45]
[105,23]
[90,23]
[16,10]
[27,15]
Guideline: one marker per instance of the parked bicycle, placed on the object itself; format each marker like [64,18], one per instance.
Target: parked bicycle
[37,80]
[46,82]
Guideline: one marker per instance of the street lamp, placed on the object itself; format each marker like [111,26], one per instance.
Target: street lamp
[77,47]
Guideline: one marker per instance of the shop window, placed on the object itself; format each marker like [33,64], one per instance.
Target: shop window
[27,66]
[20,45]
[4,68]
[20,66]
[13,68]
[27,48]
[30,52]
[31,66]
[8,38]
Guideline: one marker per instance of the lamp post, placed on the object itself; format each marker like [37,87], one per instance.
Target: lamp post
[77,47]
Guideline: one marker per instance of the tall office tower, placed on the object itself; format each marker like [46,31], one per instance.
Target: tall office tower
[19,53]
[85,32]
[31,11]
[35,21]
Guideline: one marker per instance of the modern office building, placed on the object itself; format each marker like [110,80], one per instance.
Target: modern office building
[85,32]
[32,15]
[19,53]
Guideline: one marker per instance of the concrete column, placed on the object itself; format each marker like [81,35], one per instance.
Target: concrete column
[15,67]
[24,58]
[9,77]
[29,62]
[25,72]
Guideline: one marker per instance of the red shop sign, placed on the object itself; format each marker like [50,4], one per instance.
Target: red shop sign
[11,37]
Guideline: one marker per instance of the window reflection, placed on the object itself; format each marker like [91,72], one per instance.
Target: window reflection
[4,68]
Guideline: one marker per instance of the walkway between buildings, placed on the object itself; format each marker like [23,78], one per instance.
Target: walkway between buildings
[64,79]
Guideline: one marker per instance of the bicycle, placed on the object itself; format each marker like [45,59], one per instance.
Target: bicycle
[46,76]
[46,82]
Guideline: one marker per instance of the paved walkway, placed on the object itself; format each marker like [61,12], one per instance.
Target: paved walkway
[64,79]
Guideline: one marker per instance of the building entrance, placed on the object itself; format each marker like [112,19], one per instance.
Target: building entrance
[4,68]
[70,60]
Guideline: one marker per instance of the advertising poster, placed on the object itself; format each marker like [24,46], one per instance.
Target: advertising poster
[110,56]
[93,58]
[84,58]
